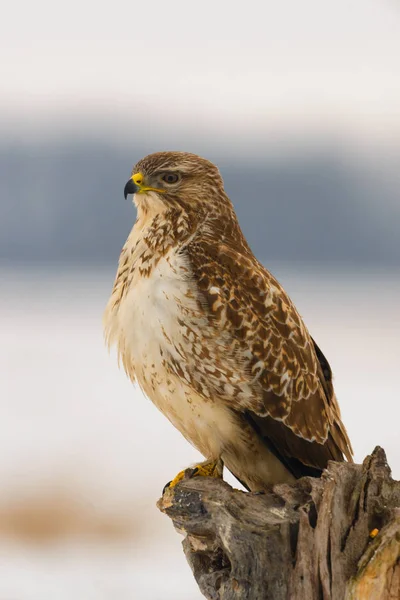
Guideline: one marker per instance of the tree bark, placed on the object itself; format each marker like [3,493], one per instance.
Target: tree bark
[314,540]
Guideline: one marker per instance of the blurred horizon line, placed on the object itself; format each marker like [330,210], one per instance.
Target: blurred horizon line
[273,137]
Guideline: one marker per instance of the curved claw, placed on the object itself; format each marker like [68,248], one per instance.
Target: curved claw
[166,486]
[209,468]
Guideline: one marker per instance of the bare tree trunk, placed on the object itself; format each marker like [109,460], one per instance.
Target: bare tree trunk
[313,540]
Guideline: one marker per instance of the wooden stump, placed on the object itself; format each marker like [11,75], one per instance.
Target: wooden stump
[307,541]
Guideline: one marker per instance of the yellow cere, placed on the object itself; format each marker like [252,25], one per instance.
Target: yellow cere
[137,179]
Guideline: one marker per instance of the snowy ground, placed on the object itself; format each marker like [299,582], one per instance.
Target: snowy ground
[83,448]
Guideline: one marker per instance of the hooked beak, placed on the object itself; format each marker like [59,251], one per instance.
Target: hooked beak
[137,184]
[130,188]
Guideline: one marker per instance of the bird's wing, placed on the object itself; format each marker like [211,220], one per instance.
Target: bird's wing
[291,402]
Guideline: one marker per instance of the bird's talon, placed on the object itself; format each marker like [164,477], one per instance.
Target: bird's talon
[206,469]
[166,486]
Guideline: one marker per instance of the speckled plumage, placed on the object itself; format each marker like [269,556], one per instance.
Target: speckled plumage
[213,339]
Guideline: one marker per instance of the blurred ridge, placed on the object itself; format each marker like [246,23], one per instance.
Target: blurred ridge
[61,198]
[56,514]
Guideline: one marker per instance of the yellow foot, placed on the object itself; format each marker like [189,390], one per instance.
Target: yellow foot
[209,468]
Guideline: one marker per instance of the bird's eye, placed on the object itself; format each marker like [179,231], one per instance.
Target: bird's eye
[170,177]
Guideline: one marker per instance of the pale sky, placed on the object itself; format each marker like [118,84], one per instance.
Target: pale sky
[254,65]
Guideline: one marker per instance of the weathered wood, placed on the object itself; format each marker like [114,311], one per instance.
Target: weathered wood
[307,541]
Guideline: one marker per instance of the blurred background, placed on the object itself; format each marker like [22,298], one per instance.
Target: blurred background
[298,104]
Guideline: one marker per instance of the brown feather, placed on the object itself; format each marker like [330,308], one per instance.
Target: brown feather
[230,362]
[293,405]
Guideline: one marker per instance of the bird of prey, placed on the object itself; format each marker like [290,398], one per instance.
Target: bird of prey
[212,338]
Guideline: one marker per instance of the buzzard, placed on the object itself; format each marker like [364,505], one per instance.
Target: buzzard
[212,338]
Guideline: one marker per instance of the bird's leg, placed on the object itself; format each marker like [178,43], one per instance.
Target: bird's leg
[208,468]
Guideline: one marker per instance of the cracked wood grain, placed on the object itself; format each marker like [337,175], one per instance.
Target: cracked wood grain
[307,541]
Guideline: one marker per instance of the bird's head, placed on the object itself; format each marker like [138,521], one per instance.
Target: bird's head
[175,179]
